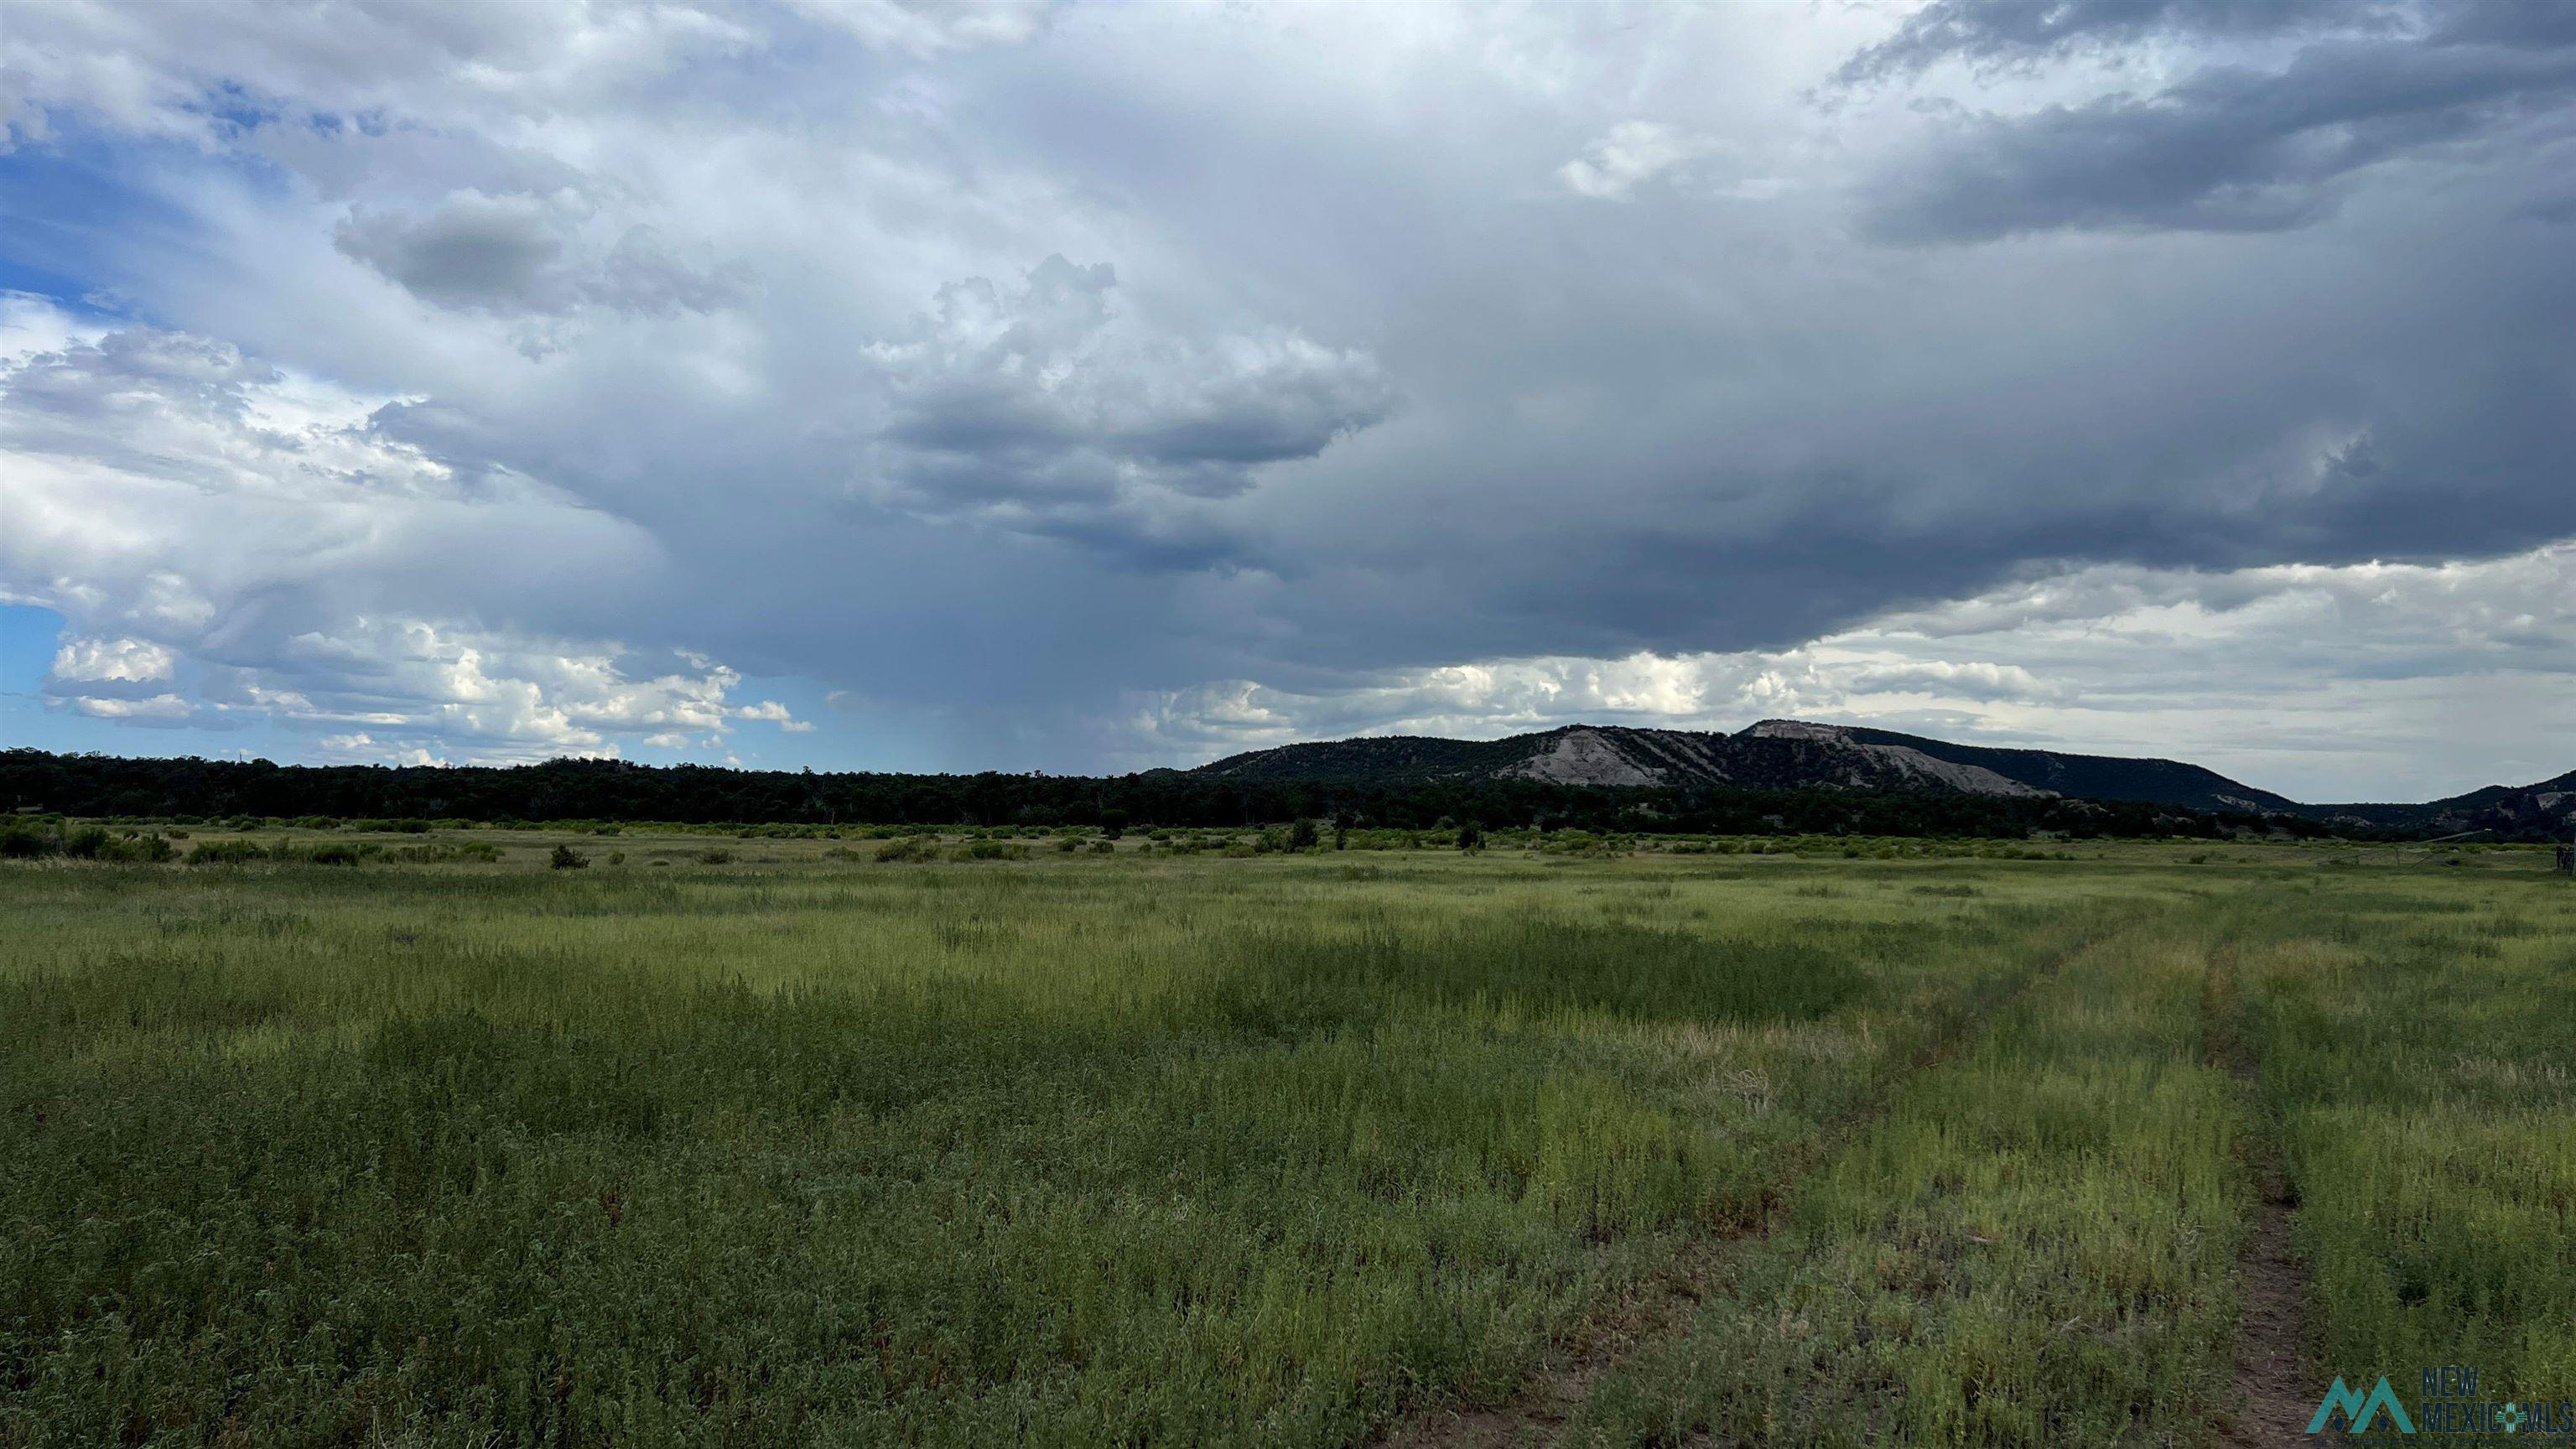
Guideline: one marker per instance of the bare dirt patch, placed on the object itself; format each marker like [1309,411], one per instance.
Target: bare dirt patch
[2275,1388]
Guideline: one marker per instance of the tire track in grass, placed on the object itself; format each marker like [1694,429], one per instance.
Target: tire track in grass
[1659,1308]
[2275,1385]
[2034,1246]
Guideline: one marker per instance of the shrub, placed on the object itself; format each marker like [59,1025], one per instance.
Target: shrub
[141,850]
[617,857]
[225,852]
[435,854]
[1471,836]
[86,842]
[1069,844]
[991,850]
[1302,835]
[1103,847]
[336,854]
[715,855]
[906,847]
[566,858]
[26,842]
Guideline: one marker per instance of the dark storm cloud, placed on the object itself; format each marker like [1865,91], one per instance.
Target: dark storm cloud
[2234,148]
[1043,408]
[516,254]
[1987,31]
[1385,345]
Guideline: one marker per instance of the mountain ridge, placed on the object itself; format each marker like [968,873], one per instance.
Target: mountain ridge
[1790,754]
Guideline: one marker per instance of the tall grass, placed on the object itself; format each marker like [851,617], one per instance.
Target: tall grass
[805,1148]
[2417,1050]
[2032,1248]
[1037,1152]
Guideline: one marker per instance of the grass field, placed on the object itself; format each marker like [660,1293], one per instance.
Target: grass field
[774,1141]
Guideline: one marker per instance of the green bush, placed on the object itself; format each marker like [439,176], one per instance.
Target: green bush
[906,847]
[566,858]
[20,841]
[138,850]
[225,852]
[439,853]
[715,855]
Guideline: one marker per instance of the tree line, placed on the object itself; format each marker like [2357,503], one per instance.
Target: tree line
[94,785]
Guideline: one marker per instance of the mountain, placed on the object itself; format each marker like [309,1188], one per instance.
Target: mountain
[2546,809]
[1784,754]
[1774,754]
[2099,777]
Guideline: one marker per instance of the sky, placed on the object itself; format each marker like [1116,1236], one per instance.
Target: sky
[862,384]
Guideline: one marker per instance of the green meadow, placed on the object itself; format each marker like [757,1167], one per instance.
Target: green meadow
[1065,1141]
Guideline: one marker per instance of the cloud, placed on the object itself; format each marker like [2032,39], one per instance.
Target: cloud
[930,26]
[1002,372]
[138,458]
[1976,680]
[422,690]
[150,710]
[487,695]
[1627,156]
[202,78]
[1994,31]
[2229,147]
[111,661]
[521,254]
[775,713]
[1044,407]
[142,460]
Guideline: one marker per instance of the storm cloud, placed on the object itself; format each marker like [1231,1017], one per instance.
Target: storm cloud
[1076,387]
[2241,148]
